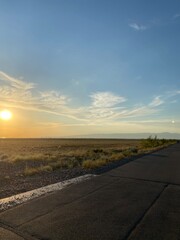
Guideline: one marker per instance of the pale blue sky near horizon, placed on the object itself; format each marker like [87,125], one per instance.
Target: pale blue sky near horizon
[93,66]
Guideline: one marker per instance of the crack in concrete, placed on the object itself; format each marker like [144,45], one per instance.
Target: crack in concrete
[130,232]
[146,180]
[73,201]
[17,232]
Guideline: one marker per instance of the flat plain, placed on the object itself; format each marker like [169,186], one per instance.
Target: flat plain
[26,164]
[30,163]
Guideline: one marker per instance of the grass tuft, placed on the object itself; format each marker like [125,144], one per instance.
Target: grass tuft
[34,157]
[116,157]
[91,164]
[3,157]
[29,171]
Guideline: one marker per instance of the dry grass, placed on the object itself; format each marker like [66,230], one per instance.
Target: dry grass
[3,157]
[37,156]
[116,157]
[29,171]
[34,157]
[90,164]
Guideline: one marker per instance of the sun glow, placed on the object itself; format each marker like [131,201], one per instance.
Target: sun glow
[5,115]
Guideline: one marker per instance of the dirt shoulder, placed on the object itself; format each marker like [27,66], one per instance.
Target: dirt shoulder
[12,183]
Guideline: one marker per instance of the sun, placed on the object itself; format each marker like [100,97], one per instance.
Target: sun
[5,115]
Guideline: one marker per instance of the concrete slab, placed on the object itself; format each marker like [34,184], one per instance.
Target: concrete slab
[8,235]
[163,220]
[109,213]
[41,206]
[162,166]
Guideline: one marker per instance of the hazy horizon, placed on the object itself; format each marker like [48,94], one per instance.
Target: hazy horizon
[108,136]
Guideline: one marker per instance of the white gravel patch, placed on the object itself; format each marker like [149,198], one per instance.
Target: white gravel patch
[12,201]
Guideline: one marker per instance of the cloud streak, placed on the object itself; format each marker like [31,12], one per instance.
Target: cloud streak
[106,99]
[177,15]
[16,83]
[157,101]
[138,27]
[104,107]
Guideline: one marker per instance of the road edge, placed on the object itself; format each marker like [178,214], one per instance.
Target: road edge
[6,203]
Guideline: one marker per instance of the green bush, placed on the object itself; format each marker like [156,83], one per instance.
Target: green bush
[151,142]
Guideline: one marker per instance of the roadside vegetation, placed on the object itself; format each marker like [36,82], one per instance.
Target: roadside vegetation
[151,142]
[51,158]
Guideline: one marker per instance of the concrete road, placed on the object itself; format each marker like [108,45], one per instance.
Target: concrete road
[138,201]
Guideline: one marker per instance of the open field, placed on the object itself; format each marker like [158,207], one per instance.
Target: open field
[29,163]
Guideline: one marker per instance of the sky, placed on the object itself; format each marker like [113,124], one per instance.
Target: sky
[79,67]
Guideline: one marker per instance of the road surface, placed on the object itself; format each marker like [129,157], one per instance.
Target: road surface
[137,201]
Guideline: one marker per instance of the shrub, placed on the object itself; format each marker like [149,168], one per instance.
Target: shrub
[91,164]
[98,150]
[130,152]
[3,157]
[65,163]
[59,164]
[151,142]
[116,157]
[34,157]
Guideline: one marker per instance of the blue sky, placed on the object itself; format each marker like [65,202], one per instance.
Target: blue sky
[72,67]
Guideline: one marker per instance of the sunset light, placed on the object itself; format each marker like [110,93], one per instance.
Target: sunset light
[5,115]
[89,69]
[89,117]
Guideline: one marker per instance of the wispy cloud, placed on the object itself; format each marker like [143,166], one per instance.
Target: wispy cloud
[175,16]
[23,95]
[157,22]
[115,111]
[16,83]
[138,27]
[53,98]
[106,99]
[104,107]
[157,101]
[172,93]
